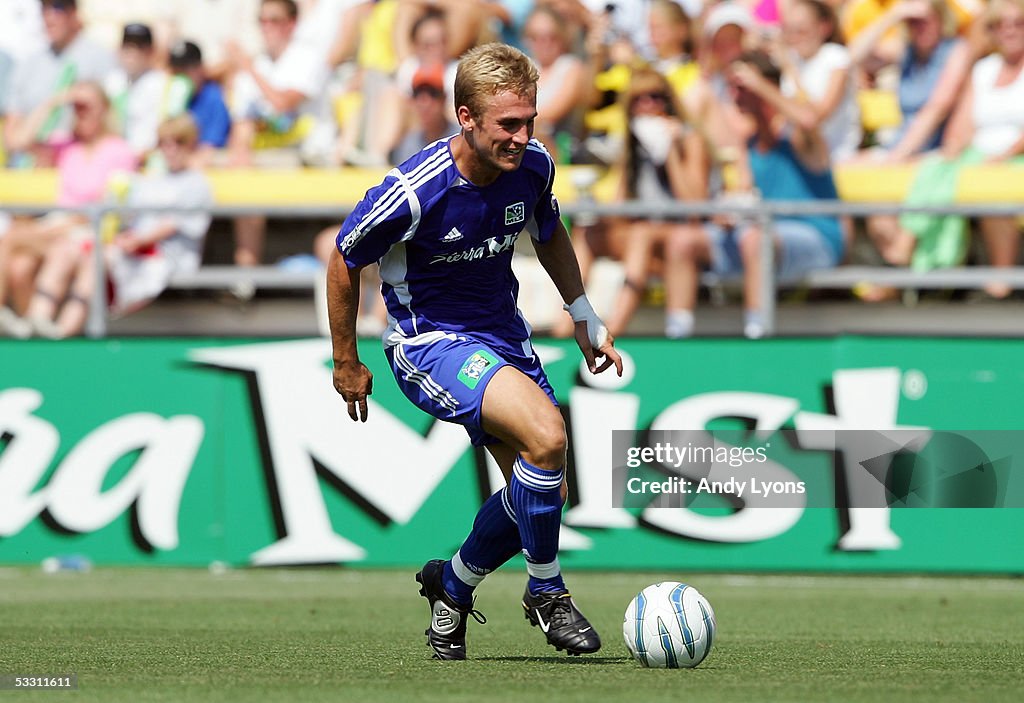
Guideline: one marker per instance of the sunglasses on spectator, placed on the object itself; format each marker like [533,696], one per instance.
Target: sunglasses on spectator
[84,106]
[427,90]
[650,96]
[273,20]
[1002,25]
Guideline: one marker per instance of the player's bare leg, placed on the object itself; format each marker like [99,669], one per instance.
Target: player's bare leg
[519,412]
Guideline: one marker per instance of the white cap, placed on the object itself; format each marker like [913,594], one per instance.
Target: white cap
[725,13]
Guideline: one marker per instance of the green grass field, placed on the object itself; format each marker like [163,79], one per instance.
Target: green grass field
[354,635]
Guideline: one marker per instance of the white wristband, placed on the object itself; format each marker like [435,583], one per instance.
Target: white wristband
[582,311]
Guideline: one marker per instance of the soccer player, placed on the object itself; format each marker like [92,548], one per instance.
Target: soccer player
[443,226]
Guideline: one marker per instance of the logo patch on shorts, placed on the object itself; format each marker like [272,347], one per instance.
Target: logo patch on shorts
[475,368]
[515,213]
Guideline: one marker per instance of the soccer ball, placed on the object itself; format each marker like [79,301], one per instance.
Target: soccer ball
[668,626]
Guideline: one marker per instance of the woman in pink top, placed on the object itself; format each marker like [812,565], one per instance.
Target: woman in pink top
[86,161]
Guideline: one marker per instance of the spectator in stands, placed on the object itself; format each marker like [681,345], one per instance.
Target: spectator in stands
[464,24]
[430,112]
[207,106]
[670,30]
[726,32]
[276,94]
[987,126]
[88,164]
[275,106]
[665,160]
[143,94]
[372,134]
[69,57]
[150,248]
[817,72]
[859,15]
[429,43]
[932,71]
[933,68]
[788,163]
[560,90]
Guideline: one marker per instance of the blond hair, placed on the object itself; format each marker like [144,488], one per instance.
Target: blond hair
[491,69]
[109,120]
[996,6]
[941,9]
[182,129]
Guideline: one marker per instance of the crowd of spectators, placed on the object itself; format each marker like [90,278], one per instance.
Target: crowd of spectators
[685,100]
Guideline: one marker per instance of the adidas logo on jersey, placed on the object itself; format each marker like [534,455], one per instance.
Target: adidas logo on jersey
[453,235]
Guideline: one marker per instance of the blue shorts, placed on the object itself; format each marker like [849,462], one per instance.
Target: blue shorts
[446,377]
[802,248]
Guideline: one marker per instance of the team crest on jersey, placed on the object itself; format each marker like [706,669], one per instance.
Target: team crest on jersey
[475,368]
[515,213]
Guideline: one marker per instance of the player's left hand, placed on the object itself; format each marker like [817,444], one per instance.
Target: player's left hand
[606,350]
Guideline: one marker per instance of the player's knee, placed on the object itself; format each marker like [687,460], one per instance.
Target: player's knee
[547,444]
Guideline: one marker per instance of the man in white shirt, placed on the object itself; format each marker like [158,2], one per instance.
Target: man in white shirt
[277,98]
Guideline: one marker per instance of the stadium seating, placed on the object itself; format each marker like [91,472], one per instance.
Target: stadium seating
[328,187]
[311,188]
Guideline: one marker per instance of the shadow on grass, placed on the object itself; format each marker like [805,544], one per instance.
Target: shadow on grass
[556,660]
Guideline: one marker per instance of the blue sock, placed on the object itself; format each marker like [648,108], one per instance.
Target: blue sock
[537,500]
[493,541]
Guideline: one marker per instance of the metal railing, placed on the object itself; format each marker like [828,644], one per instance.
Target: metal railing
[764,213]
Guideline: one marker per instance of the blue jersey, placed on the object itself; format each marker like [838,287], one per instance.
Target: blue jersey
[445,245]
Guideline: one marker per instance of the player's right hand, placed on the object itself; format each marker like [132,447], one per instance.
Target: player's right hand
[592,353]
[355,383]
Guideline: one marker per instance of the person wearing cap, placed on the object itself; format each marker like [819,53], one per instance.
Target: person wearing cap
[725,32]
[430,111]
[68,57]
[207,104]
[380,122]
[143,95]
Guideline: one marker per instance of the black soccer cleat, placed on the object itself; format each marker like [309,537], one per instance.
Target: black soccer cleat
[447,632]
[561,622]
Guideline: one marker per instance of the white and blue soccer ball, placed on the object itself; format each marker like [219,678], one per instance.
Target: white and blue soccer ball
[669,625]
